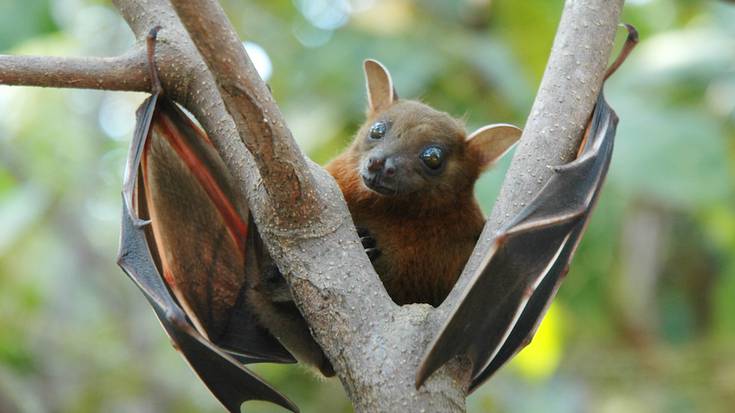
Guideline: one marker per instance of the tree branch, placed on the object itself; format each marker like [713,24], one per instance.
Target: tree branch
[126,72]
[553,131]
[259,121]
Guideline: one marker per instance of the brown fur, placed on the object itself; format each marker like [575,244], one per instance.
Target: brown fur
[426,237]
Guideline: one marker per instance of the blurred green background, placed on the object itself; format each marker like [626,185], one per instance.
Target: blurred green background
[645,321]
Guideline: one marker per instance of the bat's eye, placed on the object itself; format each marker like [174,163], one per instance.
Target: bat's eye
[432,157]
[377,131]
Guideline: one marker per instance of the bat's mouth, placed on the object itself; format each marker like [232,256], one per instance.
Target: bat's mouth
[376,184]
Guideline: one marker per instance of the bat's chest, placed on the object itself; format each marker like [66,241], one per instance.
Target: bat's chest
[420,260]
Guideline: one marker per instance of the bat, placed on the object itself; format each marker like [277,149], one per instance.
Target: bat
[193,251]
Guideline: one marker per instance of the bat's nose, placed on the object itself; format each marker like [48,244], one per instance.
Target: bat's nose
[380,164]
[375,163]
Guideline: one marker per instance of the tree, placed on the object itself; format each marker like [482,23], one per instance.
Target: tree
[304,223]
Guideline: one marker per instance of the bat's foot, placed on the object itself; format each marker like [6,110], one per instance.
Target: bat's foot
[369,244]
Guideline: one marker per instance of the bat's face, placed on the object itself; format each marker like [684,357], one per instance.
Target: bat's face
[407,151]
[410,148]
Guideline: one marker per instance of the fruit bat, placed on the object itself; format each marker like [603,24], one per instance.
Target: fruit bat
[181,225]
[408,179]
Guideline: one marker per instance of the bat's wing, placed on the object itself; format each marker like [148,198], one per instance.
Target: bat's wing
[185,243]
[512,287]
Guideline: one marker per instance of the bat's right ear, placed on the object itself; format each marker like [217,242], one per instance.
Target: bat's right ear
[491,142]
[381,93]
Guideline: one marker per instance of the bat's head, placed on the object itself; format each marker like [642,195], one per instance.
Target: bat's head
[408,148]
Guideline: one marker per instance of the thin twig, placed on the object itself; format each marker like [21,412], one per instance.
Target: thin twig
[126,72]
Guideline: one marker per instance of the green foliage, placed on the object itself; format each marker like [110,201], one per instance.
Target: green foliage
[645,320]
[20,21]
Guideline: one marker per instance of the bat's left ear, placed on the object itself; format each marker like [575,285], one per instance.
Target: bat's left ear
[381,92]
[491,142]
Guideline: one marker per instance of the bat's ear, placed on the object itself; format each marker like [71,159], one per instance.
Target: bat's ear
[381,93]
[491,142]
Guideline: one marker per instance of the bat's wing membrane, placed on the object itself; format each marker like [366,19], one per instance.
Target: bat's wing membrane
[185,243]
[513,285]
[589,172]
